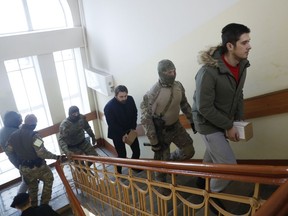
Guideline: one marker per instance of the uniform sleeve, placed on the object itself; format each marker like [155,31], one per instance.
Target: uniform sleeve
[40,149]
[185,106]
[147,119]
[12,156]
[87,127]
[63,134]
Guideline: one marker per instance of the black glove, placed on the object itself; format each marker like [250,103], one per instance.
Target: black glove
[157,147]
[193,128]
[93,140]
[62,158]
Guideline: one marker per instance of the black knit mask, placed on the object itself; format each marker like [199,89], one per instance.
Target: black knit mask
[74,114]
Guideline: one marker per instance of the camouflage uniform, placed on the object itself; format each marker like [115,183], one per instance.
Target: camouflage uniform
[172,131]
[28,147]
[72,136]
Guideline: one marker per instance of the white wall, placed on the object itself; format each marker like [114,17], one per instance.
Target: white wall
[127,39]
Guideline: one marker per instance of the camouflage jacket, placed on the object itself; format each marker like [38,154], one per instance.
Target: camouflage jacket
[73,133]
[147,111]
[218,98]
[26,144]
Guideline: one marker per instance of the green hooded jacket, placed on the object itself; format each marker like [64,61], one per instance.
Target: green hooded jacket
[218,99]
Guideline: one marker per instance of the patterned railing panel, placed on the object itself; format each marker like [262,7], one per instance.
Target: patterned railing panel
[134,193]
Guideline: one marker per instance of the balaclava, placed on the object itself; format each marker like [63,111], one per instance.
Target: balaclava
[73,118]
[163,66]
[12,119]
[31,120]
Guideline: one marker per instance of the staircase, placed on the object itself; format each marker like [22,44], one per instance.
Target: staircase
[103,192]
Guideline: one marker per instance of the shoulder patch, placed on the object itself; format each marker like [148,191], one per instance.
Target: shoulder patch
[38,142]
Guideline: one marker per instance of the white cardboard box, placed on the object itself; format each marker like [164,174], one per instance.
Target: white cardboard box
[245,130]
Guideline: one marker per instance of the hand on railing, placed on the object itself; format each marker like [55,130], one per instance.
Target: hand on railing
[62,158]
[69,156]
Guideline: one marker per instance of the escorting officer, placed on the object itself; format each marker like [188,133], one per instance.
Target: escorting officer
[12,121]
[72,134]
[26,145]
[160,116]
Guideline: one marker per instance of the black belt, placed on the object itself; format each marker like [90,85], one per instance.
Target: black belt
[76,145]
[170,127]
[38,162]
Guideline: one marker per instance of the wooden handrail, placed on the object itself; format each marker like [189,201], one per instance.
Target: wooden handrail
[54,129]
[274,103]
[257,174]
[74,202]
[268,104]
[249,173]
[277,204]
[263,105]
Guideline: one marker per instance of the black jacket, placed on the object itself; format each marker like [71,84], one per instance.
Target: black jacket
[42,210]
[120,117]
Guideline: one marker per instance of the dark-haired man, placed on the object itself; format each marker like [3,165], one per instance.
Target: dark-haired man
[218,98]
[121,116]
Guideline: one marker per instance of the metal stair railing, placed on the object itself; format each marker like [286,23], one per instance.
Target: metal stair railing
[102,190]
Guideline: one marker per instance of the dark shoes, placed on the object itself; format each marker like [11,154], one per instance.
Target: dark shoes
[200,183]
[137,170]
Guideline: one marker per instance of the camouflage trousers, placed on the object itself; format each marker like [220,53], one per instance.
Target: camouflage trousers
[84,148]
[178,135]
[31,177]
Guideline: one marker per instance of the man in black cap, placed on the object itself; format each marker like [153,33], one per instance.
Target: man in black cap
[72,134]
[23,203]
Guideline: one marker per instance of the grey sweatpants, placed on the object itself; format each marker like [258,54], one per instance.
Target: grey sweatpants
[218,150]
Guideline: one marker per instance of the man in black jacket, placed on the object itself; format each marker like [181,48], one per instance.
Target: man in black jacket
[121,117]
[23,202]
[27,146]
